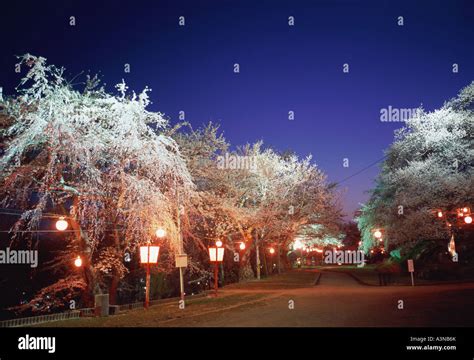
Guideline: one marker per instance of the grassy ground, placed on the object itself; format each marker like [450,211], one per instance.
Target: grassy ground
[241,296]
[289,280]
[159,315]
[369,275]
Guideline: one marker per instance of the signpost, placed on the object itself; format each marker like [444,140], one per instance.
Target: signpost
[181,262]
[411,269]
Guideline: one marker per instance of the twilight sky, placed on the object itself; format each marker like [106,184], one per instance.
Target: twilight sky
[282,68]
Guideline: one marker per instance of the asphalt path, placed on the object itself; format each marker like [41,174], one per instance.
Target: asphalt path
[338,300]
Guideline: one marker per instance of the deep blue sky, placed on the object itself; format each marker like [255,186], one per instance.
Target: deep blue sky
[282,68]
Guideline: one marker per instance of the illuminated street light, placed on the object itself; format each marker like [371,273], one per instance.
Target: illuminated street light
[216,255]
[440,214]
[378,234]
[78,262]
[297,244]
[242,246]
[272,251]
[160,233]
[468,219]
[61,224]
[149,255]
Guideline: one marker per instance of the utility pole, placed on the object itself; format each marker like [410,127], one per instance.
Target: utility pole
[278,259]
[258,256]
[180,243]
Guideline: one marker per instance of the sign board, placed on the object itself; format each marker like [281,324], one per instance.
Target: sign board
[411,266]
[181,260]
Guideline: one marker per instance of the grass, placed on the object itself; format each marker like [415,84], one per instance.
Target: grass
[239,295]
[289,280]
[369,275]
[161,315]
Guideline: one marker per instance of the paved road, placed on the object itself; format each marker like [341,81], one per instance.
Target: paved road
[339,300]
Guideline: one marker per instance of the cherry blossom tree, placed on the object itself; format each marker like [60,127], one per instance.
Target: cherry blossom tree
[429,166]
[102,160]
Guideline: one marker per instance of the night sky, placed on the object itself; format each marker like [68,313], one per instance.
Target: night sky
[282,68]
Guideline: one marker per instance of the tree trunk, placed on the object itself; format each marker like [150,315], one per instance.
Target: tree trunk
[245,269]
[89,276]
[265,264]
[114,282]
[222,274]
[279,259]
[257,254]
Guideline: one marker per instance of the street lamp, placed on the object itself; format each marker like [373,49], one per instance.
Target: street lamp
[160,233]
[61,224]
[378,234]
[242,246]
[216,255]
[271,251]
[78,262]
[148,255]
[468,219]
[297,244]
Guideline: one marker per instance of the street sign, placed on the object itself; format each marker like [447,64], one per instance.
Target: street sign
[181,260]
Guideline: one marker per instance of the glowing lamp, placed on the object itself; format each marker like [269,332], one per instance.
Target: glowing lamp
[440,214]
[149,254]
[465,210]
[160,233]
[216,254]
[378,234]
[218,243]
[61,224]
[242,246]
[272,251]
[468,220]
[78,262]
[297,245]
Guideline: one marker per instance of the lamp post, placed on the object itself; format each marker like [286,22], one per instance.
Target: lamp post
[378,234]
[148,255]
[61,224]
[216,255]
[272,252]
